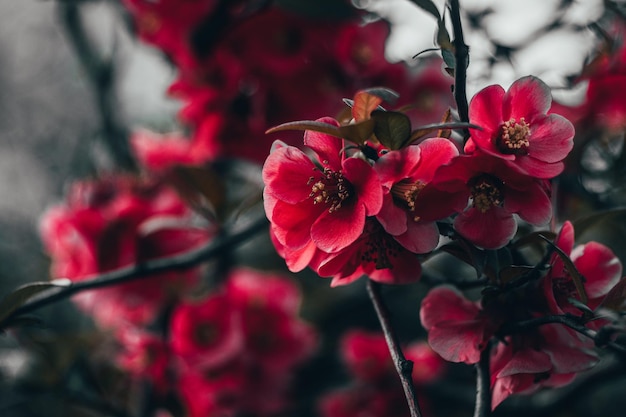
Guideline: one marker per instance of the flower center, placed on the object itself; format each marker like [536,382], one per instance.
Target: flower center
[379,248]
[486,192]
[205,334]
[331,189]
[514,139]
[406,192]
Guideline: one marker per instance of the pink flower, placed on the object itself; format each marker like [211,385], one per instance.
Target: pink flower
[404,174]
[547,356]
[497,190]
[117,222]
[458,329]
[325,201]
[598,265]
[375,254]
[516,127]
[207,333]
[144,355]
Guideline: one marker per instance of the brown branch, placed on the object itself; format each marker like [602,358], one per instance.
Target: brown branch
[403,366]
[482,407]
[138,271]
[461,58]
[100,73]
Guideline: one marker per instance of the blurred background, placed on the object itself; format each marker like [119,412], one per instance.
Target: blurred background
[53,118]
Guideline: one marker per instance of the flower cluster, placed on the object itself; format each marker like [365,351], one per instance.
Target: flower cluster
[117,222]
[244,337]
[239,83]
[375,390]
[234,351]
[349,213]
[534,356]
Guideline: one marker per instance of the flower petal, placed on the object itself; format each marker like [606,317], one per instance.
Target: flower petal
[551,138]
[531,203]
[600,267]
[490,230]
[334,231]
[527,97]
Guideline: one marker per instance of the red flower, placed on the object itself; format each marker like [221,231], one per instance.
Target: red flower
[458,329]
[208,333]
[404,174]
[547,356]
[375,254]
[144,355]
[517,128]
[598,265]
[325,201]
[117,222]
[497,190]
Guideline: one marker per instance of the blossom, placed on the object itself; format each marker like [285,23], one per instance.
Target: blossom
[404,174]
[325,201]
[238,348]
[375,390]
[117,222]
[375,254]
[458,329]
[547,356]
[516,127]
[598,265]
[497,190]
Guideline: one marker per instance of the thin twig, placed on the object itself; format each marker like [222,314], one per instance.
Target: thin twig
[461,58]
[482,407]
[567,320]
[403,366]
[141,270]
[100,73]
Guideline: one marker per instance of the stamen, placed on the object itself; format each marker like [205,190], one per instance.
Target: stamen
[380,249]
[331,188]
[515,135]
[486,192]
[405,193]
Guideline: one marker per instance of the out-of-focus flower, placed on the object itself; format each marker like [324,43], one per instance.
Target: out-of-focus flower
[238,349]
[117,222]
[598,265]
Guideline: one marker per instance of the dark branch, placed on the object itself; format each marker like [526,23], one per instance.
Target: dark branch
[482,408]
[403,366]
[100,73]
[142,270]
[461,58]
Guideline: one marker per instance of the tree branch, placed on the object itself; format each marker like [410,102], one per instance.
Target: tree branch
[100,73]
[141,270]
[461,58]
[403,366]
[482,407]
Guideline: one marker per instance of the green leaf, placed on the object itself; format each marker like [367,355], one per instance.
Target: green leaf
[534,238]
[443,37]
[424,130]
[200,186]
[21,295]
[577,278]
[364,104]
[429,6]
[355,132]
[386,94]
[358,132]
[448,58]
[392,129]
[582,225]
[467,253]
[307,125]
[512,272]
